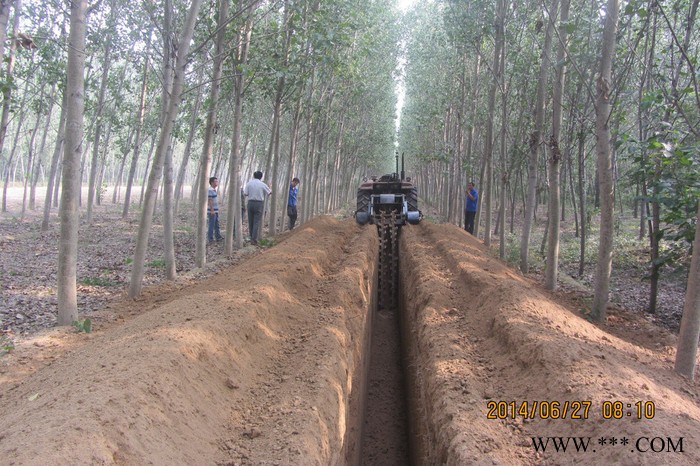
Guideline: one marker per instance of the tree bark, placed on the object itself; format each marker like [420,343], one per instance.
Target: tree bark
[209,132]
[68,245]
[137,138]
[554,220]
[163,146]
[536,140]
[690,322]
[188,146]
[487,184]
[234,237]
[604,164]
[58,151]
[98,123]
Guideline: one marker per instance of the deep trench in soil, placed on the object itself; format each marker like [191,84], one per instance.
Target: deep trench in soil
[385,430]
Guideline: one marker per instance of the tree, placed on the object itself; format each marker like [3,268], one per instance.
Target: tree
[604,163]
[690,322]
[234,234]
[164,142]
[536,138]
[209,131]
[553,219]
[68,246]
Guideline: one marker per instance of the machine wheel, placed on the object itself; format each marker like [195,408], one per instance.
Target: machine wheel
[412,200]
[362,201]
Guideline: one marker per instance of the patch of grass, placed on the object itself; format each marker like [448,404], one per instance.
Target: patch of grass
[512,249]
[129,261]
[97,281]
[266,243]
[157,264]
[83,325]
[6,345]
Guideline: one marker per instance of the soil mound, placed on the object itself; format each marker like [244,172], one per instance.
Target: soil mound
[263,363]
[498,363]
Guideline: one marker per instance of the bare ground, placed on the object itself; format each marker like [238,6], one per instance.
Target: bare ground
[258,359]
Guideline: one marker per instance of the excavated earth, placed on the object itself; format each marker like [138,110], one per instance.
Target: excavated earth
[266,363]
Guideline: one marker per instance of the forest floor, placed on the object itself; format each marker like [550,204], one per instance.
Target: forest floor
[252,360]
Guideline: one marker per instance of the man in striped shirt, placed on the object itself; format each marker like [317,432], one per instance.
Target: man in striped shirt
[213,211]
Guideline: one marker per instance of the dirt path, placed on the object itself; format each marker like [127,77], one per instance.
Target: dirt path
[262,364]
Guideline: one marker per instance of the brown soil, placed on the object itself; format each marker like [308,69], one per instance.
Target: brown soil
[262,363]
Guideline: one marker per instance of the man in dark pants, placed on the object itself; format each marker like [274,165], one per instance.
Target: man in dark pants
[214,231]
[470,209]
[257,192]
[292,203]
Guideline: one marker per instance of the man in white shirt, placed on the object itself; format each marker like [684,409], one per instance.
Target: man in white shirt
[257,192]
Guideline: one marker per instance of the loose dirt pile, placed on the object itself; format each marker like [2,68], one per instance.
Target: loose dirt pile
[262,364]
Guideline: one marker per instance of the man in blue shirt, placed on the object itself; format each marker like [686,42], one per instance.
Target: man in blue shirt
[470,209]
[292,203]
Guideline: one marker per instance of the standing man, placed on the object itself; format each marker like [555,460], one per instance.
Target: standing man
[213,211]
[470,209]
[292,203]
[257,192]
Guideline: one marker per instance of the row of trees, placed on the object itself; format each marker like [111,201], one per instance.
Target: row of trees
[167,93]
[591,106]
[517,96]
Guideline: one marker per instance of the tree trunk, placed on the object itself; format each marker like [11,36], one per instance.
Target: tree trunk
[234,237]
[58,151]
[137,138]
[4,19]
[553,218]
[604,165]
[168,220]
[487,184]
[163,146]
[582,199]
[122,163]
[98,121]
[7,95]
[30,161]
[690,322]
[536,140]
[188,146]
[209,132]
[68,245]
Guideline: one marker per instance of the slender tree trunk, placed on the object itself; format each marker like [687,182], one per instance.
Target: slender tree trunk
[690,322]
[487,184]
[7,90]
[168,217]
[68,245]
[553,218]
[536,140]
[188,146]
[210,129]
[30,161]
[137,138]
[122,164]
[4,19]
[582,200]
[10,172]
[163,146]
[604,165]
[98,121]
[234,237]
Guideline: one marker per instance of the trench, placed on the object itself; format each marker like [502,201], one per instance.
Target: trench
[385,430]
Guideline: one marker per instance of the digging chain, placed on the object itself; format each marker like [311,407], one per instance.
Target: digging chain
[388,260]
